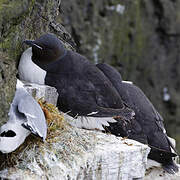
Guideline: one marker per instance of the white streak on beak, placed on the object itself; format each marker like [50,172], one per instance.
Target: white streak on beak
[128,82]
[38,46]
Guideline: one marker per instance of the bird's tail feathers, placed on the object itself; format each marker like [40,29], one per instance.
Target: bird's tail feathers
[171,168]
[168,153]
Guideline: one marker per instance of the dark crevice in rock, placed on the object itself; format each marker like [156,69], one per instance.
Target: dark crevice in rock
[162,36]
[174,1]
[159,13]
[89,12]
[76,38]
[2,74]
[158,9]
[171,107]
[132,24]
[150,81]
[131,37]
[102,13]
[60,9]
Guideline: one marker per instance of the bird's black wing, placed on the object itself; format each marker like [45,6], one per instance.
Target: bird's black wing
[104,94]
[84,89]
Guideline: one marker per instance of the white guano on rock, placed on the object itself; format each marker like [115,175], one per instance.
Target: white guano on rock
[89,155]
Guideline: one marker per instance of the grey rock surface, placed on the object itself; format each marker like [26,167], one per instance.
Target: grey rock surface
[157,173]
[89,155]
[38,91]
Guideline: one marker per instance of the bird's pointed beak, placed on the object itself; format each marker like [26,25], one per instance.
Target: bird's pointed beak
[29,42]
[32,43]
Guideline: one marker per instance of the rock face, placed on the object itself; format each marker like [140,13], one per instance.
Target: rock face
[20,20]
[48,93]
[89,155]
[7,85]
[157,173]
[140,38]
[75,153]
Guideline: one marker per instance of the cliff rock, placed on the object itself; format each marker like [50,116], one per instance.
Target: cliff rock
[141,39]
[20,20]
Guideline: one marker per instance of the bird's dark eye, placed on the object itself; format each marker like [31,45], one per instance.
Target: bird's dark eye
[8,133]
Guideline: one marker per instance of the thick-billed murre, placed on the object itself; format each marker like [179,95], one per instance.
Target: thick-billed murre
[84,91]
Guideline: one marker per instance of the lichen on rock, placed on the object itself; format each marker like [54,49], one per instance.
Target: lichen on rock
[7,85]
[80,154]
[20,20]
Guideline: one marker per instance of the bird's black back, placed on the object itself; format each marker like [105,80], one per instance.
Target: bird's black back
[79,82]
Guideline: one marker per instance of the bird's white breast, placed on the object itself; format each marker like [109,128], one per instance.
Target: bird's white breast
[29,71]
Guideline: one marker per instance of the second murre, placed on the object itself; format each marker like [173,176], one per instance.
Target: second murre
[84,90]
[148,127]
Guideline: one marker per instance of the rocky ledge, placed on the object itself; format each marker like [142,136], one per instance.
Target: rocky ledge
[72,153]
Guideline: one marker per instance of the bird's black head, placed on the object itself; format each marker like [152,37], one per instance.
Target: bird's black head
[48,48]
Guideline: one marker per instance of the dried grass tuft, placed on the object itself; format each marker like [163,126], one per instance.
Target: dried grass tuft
[55,120]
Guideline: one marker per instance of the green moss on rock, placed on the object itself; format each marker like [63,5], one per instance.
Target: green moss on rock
[20,20]
[7,84]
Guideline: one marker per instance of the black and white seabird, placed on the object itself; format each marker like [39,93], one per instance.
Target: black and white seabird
[148,126]
[25,117]
[84,91]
